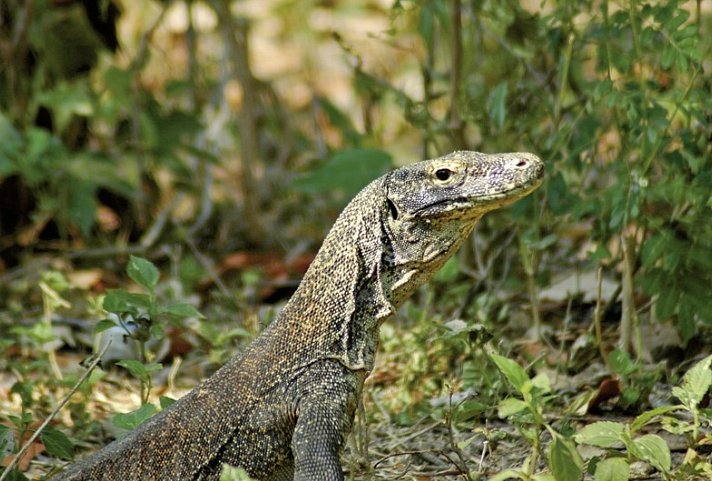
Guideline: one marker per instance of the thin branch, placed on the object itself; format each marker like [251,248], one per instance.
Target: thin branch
[49,418]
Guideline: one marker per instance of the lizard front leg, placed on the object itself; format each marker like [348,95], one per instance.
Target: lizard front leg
[324,419]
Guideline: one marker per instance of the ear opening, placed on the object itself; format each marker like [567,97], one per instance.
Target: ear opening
[392,208]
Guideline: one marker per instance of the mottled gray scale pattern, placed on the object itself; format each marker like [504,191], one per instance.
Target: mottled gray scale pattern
[282,408]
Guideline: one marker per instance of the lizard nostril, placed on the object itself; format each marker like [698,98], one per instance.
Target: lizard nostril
[521,163]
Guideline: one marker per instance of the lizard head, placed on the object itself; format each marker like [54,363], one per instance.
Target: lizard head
[432,206]
[461,185]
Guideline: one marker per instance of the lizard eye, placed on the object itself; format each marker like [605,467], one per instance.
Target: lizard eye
[443,174]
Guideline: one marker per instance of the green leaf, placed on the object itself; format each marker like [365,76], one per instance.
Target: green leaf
[496,104]
[425,22]
[82,205]
[541,382]
[648,416]
[133,419]
[469,410]
[612,469]
[509,474]
[669,57]
[667,301]
[514,373]
[166,402]
[621,363]
[143,272]
[183,310]
[564,461]
[230,473]
[103,325]
[695,384]
[57,443]
[510,406]
[653,248]
[653,449]
[604,434]
[346,171]
[120,300]
[139,369]
[67,100]
[24,390]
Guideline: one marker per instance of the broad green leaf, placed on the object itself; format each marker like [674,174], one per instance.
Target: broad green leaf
[612,469]
[120,300]
[604,434]
[510,406]
[139,369]
[667,301]
[425,22]
[514,373]
[103,325]
[676,426]
[57,443]
[564,461]
[133,419]
[183,310]
[648,416]
[166,402]
[621,363]
[653,449]
[24,389]
[654,248]
[99,170]
[67,100]
[143,272]
[541,381]
[347,171]
[469,410]
[497,104]
[695,383]
[82,205]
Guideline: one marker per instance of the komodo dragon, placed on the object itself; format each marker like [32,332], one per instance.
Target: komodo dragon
[282,409]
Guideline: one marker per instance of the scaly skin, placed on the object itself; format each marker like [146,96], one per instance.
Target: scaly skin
[282,408]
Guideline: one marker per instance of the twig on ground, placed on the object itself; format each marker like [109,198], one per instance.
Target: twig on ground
[597,320]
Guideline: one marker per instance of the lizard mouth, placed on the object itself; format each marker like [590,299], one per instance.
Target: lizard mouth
[479,204]
[511,195]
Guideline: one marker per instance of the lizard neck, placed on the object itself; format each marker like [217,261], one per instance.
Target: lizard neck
[337,309]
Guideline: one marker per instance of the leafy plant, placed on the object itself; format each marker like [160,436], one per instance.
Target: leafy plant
[527,414]
[142,316]
[651,448]
[636,379]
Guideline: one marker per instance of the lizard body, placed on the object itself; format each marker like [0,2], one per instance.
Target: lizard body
[282,408]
